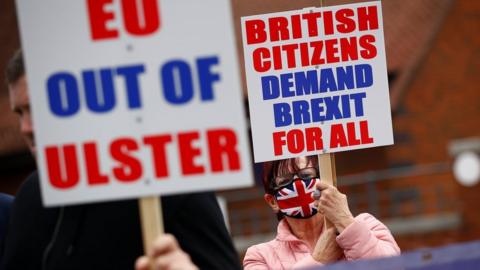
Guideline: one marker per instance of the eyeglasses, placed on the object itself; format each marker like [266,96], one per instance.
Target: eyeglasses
[284,180]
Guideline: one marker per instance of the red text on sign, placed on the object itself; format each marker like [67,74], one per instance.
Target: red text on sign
[314,53]
[220,155]
[140,18]
[343,135]
[297,140]
[290,27]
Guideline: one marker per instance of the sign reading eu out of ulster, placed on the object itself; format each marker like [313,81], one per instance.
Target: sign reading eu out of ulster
[134,98]
[317,80]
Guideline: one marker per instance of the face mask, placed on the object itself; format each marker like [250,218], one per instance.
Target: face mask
[295,199]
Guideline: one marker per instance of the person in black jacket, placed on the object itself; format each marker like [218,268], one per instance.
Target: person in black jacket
[104,235]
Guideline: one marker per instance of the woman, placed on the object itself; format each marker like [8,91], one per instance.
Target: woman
[302,238]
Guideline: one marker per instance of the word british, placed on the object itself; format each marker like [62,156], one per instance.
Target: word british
[315,26]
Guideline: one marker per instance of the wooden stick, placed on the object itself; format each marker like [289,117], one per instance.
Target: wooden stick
[328,174]
[151,218]
[326,163]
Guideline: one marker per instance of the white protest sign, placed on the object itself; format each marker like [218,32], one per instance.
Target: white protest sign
[134,98]
[317,81]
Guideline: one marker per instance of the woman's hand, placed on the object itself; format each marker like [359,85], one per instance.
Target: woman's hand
[334,206]
[165,254]
[327,250]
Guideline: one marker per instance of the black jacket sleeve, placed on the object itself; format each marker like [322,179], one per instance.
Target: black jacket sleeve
[107,235]
[197,223]
[30,228]
[5,204]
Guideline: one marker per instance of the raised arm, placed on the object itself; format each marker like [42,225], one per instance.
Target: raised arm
[367,237]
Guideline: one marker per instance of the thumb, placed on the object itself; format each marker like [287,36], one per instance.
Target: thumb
[142,263]
[321,185]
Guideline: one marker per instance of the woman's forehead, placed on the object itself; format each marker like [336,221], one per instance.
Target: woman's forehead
[300,163]
[303,162]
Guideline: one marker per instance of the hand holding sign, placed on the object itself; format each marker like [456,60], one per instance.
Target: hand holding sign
[334,206]
[317,84]
[165,254]
[326,249]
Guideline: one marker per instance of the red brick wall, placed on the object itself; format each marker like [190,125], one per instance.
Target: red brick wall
[441,104]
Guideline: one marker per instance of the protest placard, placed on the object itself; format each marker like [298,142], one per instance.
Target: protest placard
[133,98]
[317,80]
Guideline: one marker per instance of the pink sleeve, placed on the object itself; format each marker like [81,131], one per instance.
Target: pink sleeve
[306,262]
[366,238]
[254,260]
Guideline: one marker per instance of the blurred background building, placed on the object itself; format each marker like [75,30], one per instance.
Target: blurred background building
[433,60]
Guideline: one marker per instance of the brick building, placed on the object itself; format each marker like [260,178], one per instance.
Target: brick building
[433,54]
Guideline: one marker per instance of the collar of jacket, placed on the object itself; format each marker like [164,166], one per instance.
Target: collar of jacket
[285,234]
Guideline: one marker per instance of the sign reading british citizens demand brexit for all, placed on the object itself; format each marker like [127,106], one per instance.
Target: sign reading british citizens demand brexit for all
[317,81]
[134,98]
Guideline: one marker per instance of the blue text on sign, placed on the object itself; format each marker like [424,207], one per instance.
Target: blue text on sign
[177,81]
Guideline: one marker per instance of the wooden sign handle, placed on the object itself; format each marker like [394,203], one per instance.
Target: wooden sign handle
[328,174]
[151,218]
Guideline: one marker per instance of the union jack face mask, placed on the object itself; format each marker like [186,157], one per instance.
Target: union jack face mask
[295,199]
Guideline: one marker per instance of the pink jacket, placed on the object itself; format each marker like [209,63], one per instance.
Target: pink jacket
[365,238]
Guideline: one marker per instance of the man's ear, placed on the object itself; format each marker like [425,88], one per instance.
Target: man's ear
[272,202]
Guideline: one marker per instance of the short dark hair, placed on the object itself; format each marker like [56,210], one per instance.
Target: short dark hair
[15,68]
